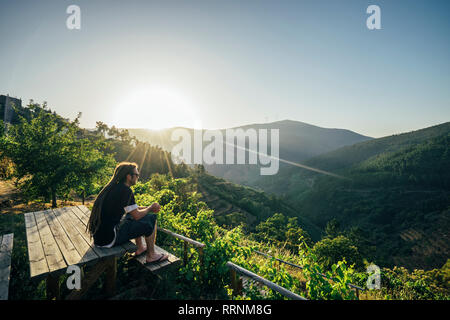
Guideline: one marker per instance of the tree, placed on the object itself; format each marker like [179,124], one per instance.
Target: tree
[331,251]
[332,229]
[48,157]
[90,167]
[101,128]
[282,230]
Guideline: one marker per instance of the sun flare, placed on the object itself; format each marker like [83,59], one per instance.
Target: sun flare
[155,108]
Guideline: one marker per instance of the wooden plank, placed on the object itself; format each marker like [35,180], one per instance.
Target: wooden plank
[84,209]
[102,252]
[6,246]
[84,249]
[67,215]
[172,260]
[70,253]
[80,214]
[36,255]
[128,247]
[52,252]
[78,223]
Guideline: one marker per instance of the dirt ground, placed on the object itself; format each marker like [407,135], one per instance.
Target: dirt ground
[12,202]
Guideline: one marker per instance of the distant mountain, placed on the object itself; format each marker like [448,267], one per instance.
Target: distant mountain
[298,141]
[396,188]
[341,159]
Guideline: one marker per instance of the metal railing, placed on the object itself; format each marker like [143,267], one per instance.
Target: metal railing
[357,289]
[237,287]
[186,242]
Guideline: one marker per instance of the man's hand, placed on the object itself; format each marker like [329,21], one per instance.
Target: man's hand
[155,207]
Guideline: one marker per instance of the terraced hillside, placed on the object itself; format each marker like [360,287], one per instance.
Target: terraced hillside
[235,204]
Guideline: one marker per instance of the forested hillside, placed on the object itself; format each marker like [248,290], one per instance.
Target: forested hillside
[235,204]
[395,188]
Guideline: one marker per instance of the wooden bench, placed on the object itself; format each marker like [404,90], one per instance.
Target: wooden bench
[6,245]
[173,260]
[57,238]
[158,266]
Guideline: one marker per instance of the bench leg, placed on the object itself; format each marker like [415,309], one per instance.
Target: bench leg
[52,287]
[111,275]
[89,279]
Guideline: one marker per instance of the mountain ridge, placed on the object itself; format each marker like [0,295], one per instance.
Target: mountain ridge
[298,141]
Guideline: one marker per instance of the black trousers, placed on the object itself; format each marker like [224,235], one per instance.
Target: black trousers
[129,228]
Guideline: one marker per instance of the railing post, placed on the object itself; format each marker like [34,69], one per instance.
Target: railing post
[233,282]
[200,256]
[239,286]
[52,287]
[111,276]
[185,253]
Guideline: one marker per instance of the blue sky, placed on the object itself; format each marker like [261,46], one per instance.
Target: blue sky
[220,64]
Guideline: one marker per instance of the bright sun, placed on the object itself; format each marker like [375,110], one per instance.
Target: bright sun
[155,107]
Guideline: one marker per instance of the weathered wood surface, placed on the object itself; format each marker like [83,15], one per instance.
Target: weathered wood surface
[83,247]
[6,246]
[57,238]
[128,247]
[53,255]
[36,256]
[155,267]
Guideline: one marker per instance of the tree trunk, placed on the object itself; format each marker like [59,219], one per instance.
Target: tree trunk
[84,195]
[47,197]
[53,198]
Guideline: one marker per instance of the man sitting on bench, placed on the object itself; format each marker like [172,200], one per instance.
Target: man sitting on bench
[108,226]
